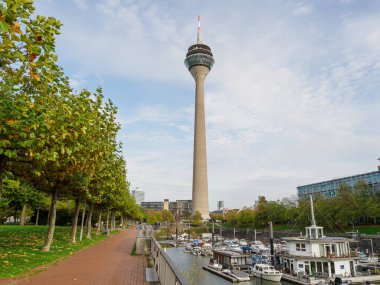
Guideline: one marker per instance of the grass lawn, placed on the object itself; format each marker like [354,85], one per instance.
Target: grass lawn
[20,248]
[369,230]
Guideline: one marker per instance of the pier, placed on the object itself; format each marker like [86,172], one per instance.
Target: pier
[220,274]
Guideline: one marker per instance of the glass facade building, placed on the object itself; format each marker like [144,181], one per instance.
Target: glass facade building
[329,188]
[139,196]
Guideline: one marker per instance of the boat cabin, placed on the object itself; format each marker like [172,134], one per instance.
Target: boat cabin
[230,258]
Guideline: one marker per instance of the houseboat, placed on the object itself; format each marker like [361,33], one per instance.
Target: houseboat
[315,255]
[231,259]
[232,262]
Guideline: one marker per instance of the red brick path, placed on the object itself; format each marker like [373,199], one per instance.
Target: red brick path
[106,263]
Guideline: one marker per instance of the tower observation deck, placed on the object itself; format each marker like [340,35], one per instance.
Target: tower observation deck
[199,61]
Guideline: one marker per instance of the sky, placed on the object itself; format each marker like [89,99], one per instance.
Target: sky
[293,97]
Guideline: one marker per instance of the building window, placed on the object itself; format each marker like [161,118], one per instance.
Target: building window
[300,247]
[342,267]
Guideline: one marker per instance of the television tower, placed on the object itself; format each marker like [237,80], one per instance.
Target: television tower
[199,61]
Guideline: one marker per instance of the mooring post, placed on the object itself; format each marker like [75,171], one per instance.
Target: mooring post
[213,229]
[271,242]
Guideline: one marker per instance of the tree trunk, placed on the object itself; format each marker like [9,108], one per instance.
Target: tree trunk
[113,220]
[74,222]
[48,219]
[3,164]
[81,225]
[99,223]
[15,217]
[37,216]
[89,221]
[108,219]
[53,214]
[23,215]
[122,221]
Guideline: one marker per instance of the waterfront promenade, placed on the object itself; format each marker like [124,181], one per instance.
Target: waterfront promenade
[106,263]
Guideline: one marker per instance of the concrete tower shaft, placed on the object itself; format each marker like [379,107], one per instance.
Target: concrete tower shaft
[200,181]
[199,60]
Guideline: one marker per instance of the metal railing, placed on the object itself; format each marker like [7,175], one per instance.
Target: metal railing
[167,271]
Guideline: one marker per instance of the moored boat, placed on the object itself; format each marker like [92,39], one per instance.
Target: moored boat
[215,265]
[266,271]
[206,249]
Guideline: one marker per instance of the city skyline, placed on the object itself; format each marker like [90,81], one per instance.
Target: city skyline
[292,101]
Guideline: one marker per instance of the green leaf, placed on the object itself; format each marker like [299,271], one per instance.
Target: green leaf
[4,27]
[28,2]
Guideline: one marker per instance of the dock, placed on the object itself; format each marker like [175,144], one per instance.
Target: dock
[313,281]
[220,274]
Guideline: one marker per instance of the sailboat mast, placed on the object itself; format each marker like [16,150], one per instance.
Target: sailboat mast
[312,211]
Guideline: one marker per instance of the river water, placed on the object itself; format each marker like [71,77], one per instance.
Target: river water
[191,266]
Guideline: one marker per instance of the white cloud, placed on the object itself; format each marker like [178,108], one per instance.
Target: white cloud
[290,100]
[303,10]
[81,4]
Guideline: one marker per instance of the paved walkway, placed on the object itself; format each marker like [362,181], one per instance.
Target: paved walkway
[106,263]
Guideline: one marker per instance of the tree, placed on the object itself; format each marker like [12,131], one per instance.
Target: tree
[262,219]
[367,199]
[246,216]
[28,74]
[197,218]
[167,216]
[346,206]
[217,217]
[231,216]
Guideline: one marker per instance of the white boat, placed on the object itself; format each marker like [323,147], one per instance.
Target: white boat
[196,250]
[206,249]
[215,265]
[363,258]
[258,247]
[266,271]
[234,247]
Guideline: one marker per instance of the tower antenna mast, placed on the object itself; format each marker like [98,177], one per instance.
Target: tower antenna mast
[199,36]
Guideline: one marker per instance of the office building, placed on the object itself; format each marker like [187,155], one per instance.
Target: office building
[157,206]
[330,188]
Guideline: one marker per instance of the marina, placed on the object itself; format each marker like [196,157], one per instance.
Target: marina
[193,265]
[311,258]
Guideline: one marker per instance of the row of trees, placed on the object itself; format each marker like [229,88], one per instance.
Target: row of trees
[352,205]
[54,140]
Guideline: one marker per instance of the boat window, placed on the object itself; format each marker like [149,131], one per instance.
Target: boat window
[325,267]
[300,247]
